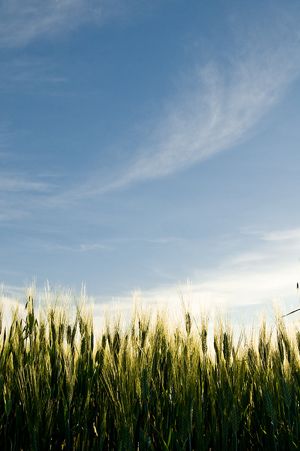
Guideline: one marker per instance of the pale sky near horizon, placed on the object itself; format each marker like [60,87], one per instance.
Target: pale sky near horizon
[144,144]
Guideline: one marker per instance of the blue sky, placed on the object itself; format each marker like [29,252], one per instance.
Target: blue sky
[147,144]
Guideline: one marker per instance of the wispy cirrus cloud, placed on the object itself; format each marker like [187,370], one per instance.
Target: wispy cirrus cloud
[18,183]
[217,117]
[28,72]
[20,192]
[9,214]
[218,107]
[23,21]
[77,248]
[283,235]
[110,244]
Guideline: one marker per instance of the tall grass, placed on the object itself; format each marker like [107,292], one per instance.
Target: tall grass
[145,387]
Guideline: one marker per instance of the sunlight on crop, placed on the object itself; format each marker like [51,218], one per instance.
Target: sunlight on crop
[145,382]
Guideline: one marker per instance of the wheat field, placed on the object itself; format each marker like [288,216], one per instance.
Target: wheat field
[145,387]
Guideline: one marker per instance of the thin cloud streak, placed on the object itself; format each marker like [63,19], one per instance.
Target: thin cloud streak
[29,73]
[10,215]
[14,183]
[283,235]
[20,195]
[217,124]
[218,113]
[23,21]
[110,244]
[78,248]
